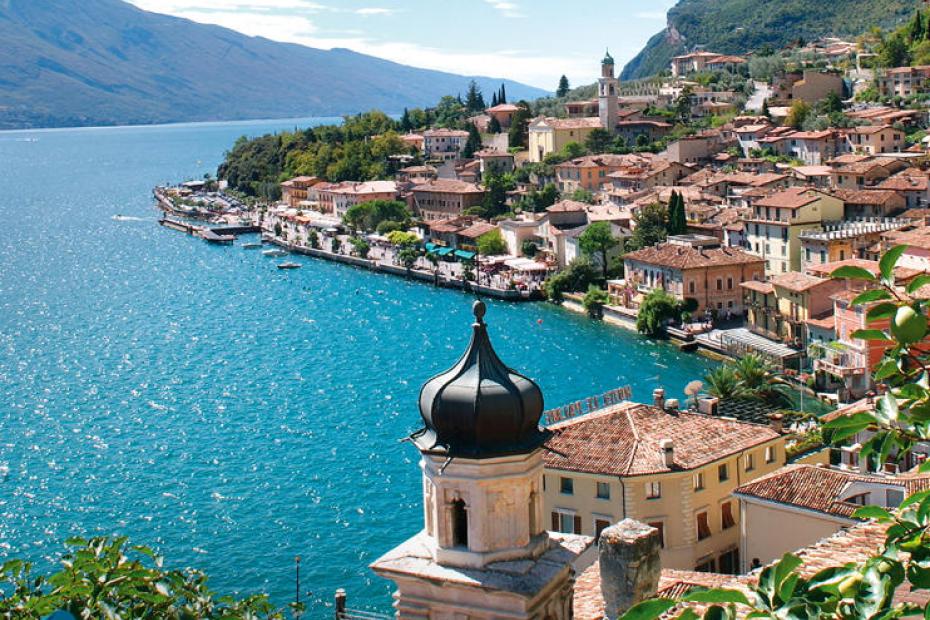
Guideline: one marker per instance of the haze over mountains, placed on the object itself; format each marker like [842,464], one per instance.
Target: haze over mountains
[105,62]
[741,26]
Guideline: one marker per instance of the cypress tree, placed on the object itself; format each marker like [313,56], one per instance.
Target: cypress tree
[563,88]
[473,144]
[405,124]
[503,97]
[670,217]
[916,30]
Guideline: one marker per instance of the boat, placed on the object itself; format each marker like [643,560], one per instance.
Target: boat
[275,252]
[289,266]
[251,246]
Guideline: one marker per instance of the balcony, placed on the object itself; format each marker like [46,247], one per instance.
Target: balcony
[838,360]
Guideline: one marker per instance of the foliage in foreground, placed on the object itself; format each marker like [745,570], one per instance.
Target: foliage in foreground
[900,419]
[106,578]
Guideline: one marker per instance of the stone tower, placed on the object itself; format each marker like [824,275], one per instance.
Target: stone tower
[608,91]
[484,551]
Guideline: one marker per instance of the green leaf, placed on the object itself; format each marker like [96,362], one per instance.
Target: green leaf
[924,467]
[889,260]
[848,425]
[877,294]
[918,283]
[873,512]
[881,311]
[871,334]
[716,596]
[649,610]
[853,273]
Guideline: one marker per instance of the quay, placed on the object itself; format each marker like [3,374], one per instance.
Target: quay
[413,274]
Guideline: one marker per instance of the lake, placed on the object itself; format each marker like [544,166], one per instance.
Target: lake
[233,416]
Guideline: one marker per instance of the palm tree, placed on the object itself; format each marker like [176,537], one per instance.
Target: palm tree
[754,373]
[723,383]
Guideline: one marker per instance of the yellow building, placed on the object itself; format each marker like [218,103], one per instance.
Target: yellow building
[673,470]
[550,135]
[781,308]
[777,221]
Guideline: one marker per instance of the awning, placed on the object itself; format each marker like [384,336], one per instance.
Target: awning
[465,255]
[444,251]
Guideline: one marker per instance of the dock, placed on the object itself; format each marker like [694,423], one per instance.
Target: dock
[184,227]
[210,236]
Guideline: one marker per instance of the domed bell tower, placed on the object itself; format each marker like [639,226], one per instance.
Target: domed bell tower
[608,93]
[484,535]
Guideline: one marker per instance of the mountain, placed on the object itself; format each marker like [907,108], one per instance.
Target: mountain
[105,62]
[741,26]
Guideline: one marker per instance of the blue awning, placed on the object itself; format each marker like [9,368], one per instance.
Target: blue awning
[430,247]
[465,255]
[444,251]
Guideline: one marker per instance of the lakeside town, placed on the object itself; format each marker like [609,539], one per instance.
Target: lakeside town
[770,210]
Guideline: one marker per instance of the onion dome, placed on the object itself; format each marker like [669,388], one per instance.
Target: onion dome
[608,59]
[480,408]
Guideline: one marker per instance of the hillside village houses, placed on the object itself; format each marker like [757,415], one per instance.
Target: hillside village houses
[767,207]
[770,213]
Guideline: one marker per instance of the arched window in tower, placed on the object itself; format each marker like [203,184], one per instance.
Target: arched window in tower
[459,523]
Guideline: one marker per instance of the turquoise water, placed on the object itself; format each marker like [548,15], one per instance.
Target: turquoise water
[195,398]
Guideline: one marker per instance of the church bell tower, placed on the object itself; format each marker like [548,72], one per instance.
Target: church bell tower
[608,92]
[484,551]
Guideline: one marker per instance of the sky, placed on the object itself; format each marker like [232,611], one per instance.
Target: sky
[531,41]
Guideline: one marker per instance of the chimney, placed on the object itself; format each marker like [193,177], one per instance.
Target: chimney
[671,404]
[777,421]
[628,554]
[658,398]
[668,452]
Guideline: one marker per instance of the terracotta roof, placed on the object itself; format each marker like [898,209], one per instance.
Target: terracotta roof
[827,322]
[572,123]
[791,198]
[760,287]
[869,129]
[909,180]
[477,229]
[848,158]
[688,257]
[448,186]
[865,196]
[797,282]
[504,107]
[624,440]
[445,133]
[567,206]
[821,488]
[828,268]
[852,545]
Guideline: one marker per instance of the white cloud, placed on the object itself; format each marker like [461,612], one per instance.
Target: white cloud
[507,9]
[175,7]
[365,12]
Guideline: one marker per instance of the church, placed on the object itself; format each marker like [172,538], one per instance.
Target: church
[550,135]
[484,551]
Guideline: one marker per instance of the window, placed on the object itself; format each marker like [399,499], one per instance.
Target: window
[459,524]
[719,284]
[726,516]
[706,567]
[729,562]
[603,490]
[566,486]
[730,284]
[599,526]
[703,528]
[691,286]
[653,490]
[750,462]
[566,522]
[723,473]
[770,454]
[661,527]
[699,481]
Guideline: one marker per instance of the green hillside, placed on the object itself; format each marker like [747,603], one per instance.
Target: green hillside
[740,26]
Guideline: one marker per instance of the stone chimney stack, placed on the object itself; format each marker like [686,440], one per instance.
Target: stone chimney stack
[777,421]
[628,553]
[668,452]
[658,398]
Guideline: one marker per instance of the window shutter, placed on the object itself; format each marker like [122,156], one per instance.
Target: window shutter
[577,524]
[555,522]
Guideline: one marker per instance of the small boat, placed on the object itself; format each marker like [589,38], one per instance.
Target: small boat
[251,246]
[289,266]
[275,252]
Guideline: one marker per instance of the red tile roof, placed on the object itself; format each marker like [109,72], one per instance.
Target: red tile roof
[798,282]
[688,257]
[624,440]
[791,198]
